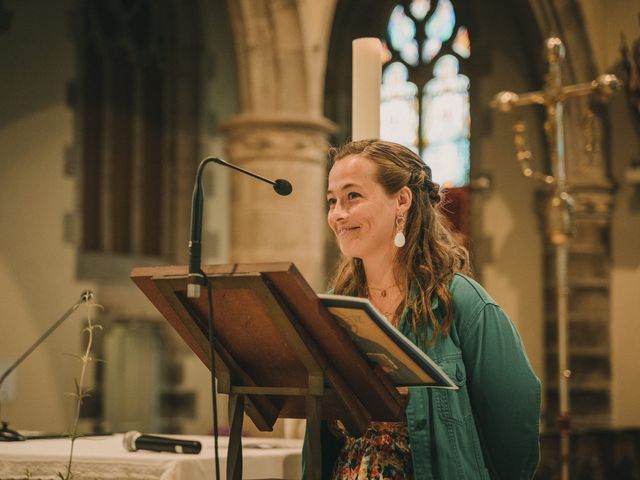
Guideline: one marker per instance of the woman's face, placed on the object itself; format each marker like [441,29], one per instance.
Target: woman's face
[361,214]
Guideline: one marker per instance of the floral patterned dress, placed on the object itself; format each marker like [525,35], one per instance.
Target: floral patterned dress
[382,453]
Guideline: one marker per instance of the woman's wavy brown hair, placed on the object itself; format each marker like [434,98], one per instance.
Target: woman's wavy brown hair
[431,255]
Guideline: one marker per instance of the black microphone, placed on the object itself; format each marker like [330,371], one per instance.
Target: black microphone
[282,187]
[196,277]
[133,441]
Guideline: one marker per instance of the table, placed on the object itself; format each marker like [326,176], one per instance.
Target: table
[104,458]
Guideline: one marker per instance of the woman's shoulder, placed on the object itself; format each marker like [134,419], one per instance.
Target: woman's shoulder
[473,306]
[468,295]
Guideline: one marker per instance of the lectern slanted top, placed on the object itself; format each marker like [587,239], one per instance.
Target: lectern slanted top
[273,333]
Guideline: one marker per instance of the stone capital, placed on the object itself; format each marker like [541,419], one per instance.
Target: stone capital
[255,120]
[266,227]
[277,136]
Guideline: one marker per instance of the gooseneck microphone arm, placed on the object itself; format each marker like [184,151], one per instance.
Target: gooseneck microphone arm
[196,278]
[282,187]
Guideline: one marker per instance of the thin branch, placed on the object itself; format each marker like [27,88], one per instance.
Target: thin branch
[81,393]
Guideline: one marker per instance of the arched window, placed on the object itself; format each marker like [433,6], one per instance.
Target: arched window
[424,95]
[123,84]
[139,92]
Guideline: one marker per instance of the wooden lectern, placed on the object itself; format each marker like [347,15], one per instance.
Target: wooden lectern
[279,352]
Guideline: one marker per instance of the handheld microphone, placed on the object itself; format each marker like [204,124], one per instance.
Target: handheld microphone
[195,277]
[134,441]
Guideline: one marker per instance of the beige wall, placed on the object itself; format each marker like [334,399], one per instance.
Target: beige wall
[606,20]
[37,277]
[38,280]
[508,243]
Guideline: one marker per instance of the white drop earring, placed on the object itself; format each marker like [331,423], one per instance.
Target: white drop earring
[399,240]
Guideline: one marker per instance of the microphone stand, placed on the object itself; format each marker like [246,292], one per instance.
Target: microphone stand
[197,278]
[6,434]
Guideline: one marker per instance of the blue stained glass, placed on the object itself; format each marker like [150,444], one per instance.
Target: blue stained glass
[449,162]
[399,107]
[401,28]
[441,24]
[430,49]
[446,123]
[419,8]
[409,53]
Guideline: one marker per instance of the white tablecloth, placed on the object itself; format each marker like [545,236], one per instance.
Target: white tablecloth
[105,458]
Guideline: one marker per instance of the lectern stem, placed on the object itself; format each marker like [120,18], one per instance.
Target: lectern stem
[234,451]
[314,456]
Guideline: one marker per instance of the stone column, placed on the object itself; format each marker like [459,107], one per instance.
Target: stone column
[266,227]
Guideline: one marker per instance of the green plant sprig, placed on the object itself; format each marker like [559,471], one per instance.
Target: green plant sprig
[80,392]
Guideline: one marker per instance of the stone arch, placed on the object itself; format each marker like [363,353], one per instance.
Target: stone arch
[565,19]
[271,59]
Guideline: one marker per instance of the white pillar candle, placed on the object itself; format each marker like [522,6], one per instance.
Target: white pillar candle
[365,106]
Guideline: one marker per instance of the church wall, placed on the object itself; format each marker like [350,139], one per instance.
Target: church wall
[39,201]
[605,22]
[507,243]
[37,265]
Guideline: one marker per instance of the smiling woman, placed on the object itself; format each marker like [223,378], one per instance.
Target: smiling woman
[398,251]
[361,214]
[379,191]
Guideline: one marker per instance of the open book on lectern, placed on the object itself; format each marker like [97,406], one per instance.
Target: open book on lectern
[404,363]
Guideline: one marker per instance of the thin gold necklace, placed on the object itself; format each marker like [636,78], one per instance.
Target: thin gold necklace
[383,291]
[389,315]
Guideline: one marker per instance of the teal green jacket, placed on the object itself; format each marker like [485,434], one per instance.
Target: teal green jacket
[489,427]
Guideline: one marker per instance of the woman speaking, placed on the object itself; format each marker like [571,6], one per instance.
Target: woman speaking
[398,251]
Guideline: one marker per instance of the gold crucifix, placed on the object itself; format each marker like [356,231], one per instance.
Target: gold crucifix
[560,204]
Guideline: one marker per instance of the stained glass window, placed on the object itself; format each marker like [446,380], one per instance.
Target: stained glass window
[461,44]
[402,32]
[420,8]
[440,24]
[399,119]
[425,94]
[445,125]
